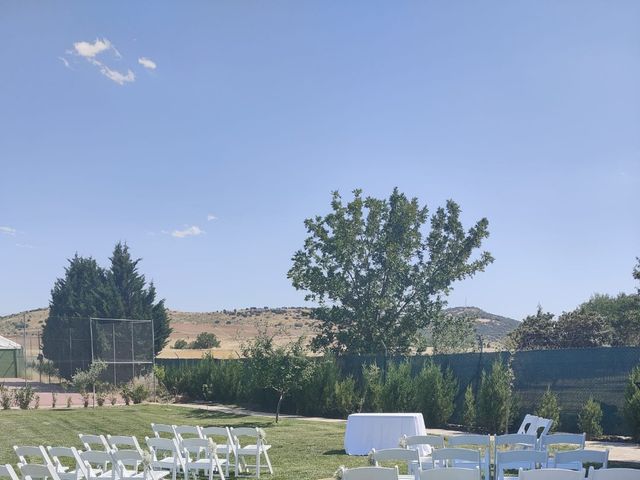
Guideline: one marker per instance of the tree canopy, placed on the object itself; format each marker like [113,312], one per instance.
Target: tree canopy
[90,291]
[380,269]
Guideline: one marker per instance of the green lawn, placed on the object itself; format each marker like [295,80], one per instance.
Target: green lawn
[300,449]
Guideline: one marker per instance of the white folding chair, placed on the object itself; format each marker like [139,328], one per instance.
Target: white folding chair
[160,430]
[453,473]
[72,468]
[255,450]
[614,474]
[481,442]
[32,454]
[134,460]
[514,441]
[7,471]
[123,442]
[198,455]
[224,444]
[165,455]
[370,473]
[551,474]
[519,459]
[33,471]
[543,426]
[451,457]
[97,465]
[411,457]
[425,445]
[576,459]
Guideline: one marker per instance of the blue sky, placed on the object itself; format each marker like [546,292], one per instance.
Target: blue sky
[137,120]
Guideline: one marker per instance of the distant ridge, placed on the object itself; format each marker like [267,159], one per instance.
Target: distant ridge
[491,326]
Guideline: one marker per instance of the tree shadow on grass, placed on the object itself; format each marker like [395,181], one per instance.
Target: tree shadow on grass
[334,452]
[218,417]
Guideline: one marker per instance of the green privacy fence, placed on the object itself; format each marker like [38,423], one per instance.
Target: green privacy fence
[11,364]
[573,374]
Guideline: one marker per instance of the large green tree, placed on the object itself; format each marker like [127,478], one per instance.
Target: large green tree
[378,273]
[90,291]
[535,332]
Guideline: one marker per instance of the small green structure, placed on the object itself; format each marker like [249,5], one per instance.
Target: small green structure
[11,362]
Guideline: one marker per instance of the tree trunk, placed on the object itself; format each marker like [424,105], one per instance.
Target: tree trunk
[278,407]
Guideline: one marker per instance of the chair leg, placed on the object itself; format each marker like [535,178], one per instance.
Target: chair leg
[266,456]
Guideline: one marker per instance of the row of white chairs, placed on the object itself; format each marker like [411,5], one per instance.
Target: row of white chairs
[448,457]
[501,447]
[247,456]
[455,473]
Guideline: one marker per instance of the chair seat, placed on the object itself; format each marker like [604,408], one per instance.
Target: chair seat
[152,475]
[251,449]
[167,462]
[569,465]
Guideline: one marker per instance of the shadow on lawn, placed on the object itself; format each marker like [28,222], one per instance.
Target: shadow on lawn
[334,452]
[215,416]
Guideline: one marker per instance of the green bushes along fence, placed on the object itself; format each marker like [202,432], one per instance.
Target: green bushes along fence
[435,385]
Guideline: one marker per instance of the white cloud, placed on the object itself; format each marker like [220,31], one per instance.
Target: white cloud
[147,63]
[191,231]
[8,231]
[65,62]
[211,216]
[118,77]
[90,50]
[24,245]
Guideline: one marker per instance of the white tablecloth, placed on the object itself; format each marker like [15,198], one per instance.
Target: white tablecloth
[380,430]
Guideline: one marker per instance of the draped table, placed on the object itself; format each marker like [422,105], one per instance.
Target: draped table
[380,430]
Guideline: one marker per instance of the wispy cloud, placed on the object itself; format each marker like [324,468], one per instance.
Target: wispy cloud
[211,216]
[95,53]
[24,245]
[8,231]
[147,63]
[191,231]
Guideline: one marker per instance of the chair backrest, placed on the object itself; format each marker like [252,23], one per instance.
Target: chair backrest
[533,457]
[32,454]
[123,458]
[7,471]
[244,431]
[215,432]
[196,445]
[516,440]
[435,441]
[163,445]
[562,439]
[583,456]
[370,473]
[96,458]
[445,457]
[450,474]
[529,424]
[393,454]
[551,474]
[123,442]
[186,431]
[32,471]
[160,429]
[94,442]
[614,474]
[543,426]
[56,453]
[472,439]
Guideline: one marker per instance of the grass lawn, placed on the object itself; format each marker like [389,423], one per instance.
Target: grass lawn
[300,449]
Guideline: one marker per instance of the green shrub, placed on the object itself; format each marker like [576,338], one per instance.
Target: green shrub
[69,401]
[495,399]
[23,396]
[469,412]
[317,395]
[632,403]
[399,390]
[346,397]
[548,408]
[372,388]
[206,340]
[590,419]
[180,344]
[436,394]
[6,397]
[125,391]
[54,399]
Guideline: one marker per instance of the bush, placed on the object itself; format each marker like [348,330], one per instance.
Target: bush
[372,388]
[54,399]
[69,401]
[469,412]
[318,392]
[590,419]
[125,391]
[346,397]
[206,340]
[6,397]
[436,394]
[632,403]
[23,396]
[180,344]
[495,399]
[399,390]
[548,408]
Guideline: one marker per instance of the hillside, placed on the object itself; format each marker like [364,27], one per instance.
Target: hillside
[232,327]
